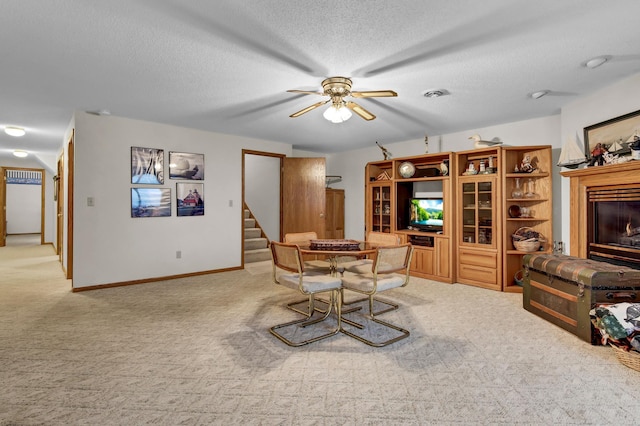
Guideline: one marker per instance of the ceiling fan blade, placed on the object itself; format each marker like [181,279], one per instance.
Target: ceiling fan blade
[360,111]
[309,108]
[374,94]
[306,92]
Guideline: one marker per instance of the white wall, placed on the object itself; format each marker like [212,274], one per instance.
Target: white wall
[262,192]
[613,101]
[351,165]
[110,246]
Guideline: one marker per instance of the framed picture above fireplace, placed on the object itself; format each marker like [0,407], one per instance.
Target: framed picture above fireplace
[614,135]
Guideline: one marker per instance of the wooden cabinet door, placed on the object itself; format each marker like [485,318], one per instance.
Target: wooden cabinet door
[422,260]
[303,195]
[442,257]
[334,224]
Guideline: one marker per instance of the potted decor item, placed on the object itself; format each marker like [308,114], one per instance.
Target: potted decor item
[527,240]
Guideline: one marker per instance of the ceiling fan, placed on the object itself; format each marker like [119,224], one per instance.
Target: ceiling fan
[338,88]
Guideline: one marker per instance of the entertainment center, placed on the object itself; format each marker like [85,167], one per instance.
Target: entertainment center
[461,209]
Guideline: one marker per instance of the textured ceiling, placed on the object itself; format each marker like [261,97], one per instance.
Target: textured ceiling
[225,66]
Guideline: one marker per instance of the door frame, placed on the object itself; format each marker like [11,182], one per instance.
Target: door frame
[3,192]
[69,194]
[58,195]
[246,152]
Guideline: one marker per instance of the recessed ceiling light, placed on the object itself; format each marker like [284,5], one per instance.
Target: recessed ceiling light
[596,62]
[20,153]
[14,131]
[434,93]
[100,112]
[539,94]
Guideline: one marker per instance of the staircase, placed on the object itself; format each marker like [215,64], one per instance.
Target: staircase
[256,245]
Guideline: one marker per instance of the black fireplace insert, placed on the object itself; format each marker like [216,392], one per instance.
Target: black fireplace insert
[614,225]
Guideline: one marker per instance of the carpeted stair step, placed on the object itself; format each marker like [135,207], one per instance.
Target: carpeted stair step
[258,255]
[249,223]
[252,233]
[255,243]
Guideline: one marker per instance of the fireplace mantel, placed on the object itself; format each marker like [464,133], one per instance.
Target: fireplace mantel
[582,180]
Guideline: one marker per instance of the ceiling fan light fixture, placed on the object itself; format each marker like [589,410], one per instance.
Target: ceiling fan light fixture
[14,131]
[539,94]
[20,153]
[337,113]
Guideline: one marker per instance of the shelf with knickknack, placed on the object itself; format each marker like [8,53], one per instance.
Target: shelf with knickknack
[379,198]
[395,190]
[527,207]
[478,219]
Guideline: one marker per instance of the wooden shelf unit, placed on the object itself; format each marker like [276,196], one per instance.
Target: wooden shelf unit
[433,252]
[475,246]
[539,183]
[478,220]
[484,202]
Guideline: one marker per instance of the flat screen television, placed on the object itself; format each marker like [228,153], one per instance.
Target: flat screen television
[426,214]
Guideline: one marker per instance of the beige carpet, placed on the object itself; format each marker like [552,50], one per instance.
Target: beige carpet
[198,352]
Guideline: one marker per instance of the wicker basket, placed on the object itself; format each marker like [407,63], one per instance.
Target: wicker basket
[526,244]
[629,358]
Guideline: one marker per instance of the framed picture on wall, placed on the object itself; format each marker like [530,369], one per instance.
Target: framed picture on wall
[150,202]
[183,165]
[614,135]
[147,165]
[190,199]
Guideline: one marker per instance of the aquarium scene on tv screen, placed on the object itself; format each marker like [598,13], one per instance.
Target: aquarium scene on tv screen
[426,213]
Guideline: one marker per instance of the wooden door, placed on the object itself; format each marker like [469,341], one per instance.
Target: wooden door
[334,223]
[3,209]
[303,195]
[69,198]
[58,192]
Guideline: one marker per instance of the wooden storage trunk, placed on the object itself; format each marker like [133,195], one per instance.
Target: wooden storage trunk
[563,289]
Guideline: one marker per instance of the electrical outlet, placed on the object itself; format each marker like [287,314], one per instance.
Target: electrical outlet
[179,254]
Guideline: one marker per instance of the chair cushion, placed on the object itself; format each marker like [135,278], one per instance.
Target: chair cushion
[357,266]
[364,282]
[310,283]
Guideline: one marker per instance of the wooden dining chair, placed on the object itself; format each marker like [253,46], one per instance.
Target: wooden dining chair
[389,270]
[289,271]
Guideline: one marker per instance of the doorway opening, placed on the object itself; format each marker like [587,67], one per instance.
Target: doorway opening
[23,207]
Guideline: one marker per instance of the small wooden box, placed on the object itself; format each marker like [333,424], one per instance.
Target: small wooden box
[563,289]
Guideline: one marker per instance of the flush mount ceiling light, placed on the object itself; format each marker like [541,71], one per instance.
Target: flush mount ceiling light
[20,153]
[539,94]
[434,93]
[14,131]
[596,62]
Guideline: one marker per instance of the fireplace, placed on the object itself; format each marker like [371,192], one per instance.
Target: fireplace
[605,213]
[613,219]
